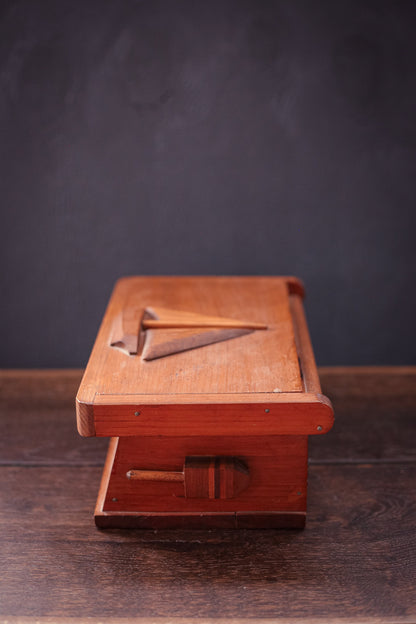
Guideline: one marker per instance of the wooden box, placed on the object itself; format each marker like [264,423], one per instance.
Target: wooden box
[208,389]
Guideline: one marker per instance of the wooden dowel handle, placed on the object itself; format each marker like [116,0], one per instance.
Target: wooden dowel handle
[177,324]
[154,475]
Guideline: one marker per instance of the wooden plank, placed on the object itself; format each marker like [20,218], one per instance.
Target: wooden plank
[37,416]
[47,387]
[197,620]
[375,411]
[36,435]
[366,382]
[246,415]
[355,559]
[346,383]
[383,397]
[310,377]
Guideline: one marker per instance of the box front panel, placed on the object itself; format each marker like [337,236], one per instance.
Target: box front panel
[264,474]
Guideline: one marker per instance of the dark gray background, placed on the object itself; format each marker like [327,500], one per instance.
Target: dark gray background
[224,137]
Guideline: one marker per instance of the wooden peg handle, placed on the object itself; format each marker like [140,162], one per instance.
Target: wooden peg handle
[203,477]
[155,475]
[189,324]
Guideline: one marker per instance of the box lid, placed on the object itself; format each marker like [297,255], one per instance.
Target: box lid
[176,355]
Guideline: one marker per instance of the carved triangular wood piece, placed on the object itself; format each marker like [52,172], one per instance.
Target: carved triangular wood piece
[162,342]
[127,335]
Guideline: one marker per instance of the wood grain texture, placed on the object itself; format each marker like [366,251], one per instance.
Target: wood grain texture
[205,620]
[277,475]
[34,406]
[355,558]
[384,397]
[160,343]
[375,415]
[260,362]
[310,377]
[155,475]
[354,562]
[164,318]
[138,415]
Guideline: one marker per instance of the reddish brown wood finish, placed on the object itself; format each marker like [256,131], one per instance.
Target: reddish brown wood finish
[253,399]
[277,483]
[289,414]
[354,562]
[172,319]
[202,476]
[263,363]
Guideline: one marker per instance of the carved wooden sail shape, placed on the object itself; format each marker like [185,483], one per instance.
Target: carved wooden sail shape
[162,342]
[162,332]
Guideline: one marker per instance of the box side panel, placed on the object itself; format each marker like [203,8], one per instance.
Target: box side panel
[263,414]
[277,468]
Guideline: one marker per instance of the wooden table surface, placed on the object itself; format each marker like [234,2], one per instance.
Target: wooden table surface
[355,561]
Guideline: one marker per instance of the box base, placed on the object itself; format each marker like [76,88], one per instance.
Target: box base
[155,521]
[274,499]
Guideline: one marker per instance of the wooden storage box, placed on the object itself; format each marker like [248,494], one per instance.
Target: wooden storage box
[208,389]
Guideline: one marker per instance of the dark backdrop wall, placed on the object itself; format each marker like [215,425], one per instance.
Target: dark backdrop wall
[220,137]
